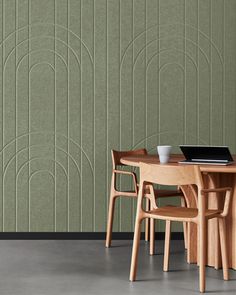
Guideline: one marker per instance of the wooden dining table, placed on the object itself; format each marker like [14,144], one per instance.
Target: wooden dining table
[214,176]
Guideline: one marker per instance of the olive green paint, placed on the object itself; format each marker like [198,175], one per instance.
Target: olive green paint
[80,77]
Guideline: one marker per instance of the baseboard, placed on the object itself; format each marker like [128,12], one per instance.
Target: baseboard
[79,236]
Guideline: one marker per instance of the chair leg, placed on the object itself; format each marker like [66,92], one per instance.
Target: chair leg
[147,221]
[202,255]
[223,246]
[198,247]
[134,259]
[217,246]
[185,225]
[167,246]
[188,243]
[110,220]
[152,236]
[185,228]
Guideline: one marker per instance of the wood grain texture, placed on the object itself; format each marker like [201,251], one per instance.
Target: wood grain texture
[117,193]
[213,177]
[179,174]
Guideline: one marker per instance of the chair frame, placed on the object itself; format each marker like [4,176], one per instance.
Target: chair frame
[181,175]
[114,194]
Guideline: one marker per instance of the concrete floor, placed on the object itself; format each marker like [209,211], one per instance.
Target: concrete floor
[86,267]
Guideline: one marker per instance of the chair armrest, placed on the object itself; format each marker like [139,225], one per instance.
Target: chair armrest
[228,194]
[131,174]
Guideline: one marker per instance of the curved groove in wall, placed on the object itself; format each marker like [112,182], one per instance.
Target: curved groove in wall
[180,37]
[40,145]
[162,67]
[39,51]
[60,26]
[20,170]
[30,179]
[44,37]
[50,133]
[41,63]
[166,25]
[171,49]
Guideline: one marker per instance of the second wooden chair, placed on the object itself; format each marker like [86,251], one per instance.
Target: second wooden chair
[115,193]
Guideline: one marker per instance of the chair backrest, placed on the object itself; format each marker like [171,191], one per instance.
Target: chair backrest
[117,155]
[171,174]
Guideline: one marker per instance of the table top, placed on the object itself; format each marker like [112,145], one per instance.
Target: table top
[174,159]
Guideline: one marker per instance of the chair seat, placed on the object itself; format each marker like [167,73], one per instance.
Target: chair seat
[180,213]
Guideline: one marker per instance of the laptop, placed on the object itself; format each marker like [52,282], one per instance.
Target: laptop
[211,155]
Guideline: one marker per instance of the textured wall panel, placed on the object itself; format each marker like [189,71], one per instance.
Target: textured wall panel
[80,77]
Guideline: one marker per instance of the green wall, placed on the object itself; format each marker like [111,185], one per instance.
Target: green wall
[78,78]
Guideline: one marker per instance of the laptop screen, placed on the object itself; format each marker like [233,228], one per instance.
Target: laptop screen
[211,153]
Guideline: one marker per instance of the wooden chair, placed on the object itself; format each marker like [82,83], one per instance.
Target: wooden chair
[114,194]
[181,175]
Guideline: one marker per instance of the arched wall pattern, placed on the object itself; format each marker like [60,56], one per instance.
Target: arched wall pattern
[92,75]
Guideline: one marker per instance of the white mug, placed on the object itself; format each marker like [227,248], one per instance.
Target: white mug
[164,153]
